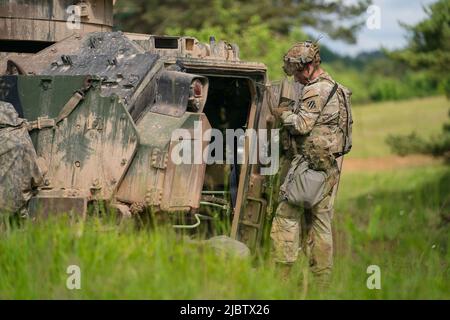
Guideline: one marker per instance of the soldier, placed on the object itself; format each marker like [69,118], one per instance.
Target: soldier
[319,129]
[19,171]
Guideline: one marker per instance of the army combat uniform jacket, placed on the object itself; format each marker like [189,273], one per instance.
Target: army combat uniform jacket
[316,114]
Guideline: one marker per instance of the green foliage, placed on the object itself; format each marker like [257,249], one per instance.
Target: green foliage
[392,219]
[376,77]
[256,41]
[438,145]
[374,122]
[429,48]
[429,45]
[371,78]
[351,78]
[264,31]
[404,145]
[397,220]
[445,87]
[157,16]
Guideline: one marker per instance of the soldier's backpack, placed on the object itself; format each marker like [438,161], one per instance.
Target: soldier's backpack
[345,120]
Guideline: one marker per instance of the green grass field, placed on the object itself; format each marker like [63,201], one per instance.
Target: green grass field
[397,220]
[374,122]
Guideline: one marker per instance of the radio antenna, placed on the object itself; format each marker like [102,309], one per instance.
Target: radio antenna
[319,38]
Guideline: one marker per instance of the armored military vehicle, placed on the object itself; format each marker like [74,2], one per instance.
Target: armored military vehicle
[101,108]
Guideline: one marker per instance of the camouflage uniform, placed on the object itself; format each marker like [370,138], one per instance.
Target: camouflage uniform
[313,128]
[19,171]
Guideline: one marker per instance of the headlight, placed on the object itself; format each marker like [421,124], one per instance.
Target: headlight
[197,95]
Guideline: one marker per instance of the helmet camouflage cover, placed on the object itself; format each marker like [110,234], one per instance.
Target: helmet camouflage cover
[300,55]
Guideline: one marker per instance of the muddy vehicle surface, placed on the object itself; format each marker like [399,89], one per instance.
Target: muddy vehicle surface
[101,108]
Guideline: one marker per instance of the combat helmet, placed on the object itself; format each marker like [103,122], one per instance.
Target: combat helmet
[299,55]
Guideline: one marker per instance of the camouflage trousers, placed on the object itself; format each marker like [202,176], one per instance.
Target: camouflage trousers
[296,230]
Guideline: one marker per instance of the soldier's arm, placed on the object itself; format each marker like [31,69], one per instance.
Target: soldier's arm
[283,107]
[302,121]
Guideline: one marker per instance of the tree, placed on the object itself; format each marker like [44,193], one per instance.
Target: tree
[429,49]
[156,16]
[429,45]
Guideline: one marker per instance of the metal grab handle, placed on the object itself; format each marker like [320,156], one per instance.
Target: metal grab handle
[191,226]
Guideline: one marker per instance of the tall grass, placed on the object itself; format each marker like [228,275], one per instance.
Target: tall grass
[390,219]
[397,220]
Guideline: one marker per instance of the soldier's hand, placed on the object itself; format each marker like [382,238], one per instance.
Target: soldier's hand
[289,120]
[277,112]
[284,106]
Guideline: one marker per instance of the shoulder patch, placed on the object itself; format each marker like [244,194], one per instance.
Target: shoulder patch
[311,104]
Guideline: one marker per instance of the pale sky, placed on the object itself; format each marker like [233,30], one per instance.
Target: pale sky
[390,35]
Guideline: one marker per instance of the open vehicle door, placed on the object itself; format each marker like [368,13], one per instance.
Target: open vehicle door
[257,192]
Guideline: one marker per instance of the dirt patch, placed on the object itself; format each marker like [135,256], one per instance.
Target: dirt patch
[388,163]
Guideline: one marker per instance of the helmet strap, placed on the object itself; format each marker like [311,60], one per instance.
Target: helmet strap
[308,78]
